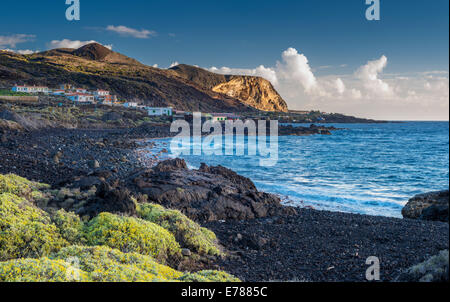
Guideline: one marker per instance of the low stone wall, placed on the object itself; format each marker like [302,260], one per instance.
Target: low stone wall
[28,99]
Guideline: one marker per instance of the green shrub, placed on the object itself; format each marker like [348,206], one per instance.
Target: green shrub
[188,233]
[21,187]
[435,269]
[40,270]
[111,265]
[26,231]
[69,225]
[208,276]
[132,235]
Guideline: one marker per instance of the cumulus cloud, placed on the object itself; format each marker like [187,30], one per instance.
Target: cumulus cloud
[174,64]
[369,75]
[295,67]
[131,32]
[12,41]
[367,92]
[340,86]
[66,43]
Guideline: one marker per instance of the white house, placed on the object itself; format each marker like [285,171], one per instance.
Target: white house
[130,105]
[101,93]
[159,111]
[30,89]
[80,97]
[221,117]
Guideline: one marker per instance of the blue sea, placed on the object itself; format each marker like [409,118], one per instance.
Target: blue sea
[367,168]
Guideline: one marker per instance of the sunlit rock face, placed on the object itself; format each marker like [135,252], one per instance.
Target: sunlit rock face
[253,91]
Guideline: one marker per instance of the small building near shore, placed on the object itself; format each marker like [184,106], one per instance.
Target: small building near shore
[222,117]
[99,93]
[80,97]
[130,105]
[159,111]
[30,89]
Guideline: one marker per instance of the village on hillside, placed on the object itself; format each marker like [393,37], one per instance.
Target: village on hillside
[82,96]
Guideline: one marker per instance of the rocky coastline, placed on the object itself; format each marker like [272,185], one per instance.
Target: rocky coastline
[262,239]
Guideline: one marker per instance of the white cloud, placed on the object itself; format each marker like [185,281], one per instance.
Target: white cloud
[66,43]
[174,64]
[340,86]
[369,75]
[26,51]
[295,68]
[12,41]
[131,32]
[367,92]
[21,51]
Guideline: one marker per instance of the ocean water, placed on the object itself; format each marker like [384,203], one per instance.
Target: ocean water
[367,168]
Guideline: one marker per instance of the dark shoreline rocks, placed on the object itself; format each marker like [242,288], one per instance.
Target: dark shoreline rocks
[206,194]
[322,246]
[432,206]
[301,131]
[55,156]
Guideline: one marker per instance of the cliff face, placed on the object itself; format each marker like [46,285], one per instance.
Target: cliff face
[94,66]
[253,91]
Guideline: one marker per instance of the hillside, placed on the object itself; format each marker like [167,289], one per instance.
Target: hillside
[254,91]
[184,88]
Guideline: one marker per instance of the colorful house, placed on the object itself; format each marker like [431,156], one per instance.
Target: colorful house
[59,92]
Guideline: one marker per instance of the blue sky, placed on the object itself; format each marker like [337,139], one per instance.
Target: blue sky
[333,35]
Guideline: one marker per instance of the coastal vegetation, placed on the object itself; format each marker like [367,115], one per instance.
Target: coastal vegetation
[58,246]
[189,233]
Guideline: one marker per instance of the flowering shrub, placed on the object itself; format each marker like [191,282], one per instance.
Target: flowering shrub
[39,246]
[188,233]
[104,264]
[21,187]
[26,231]
[209,276]
[69,225]
[40,270]
[100,264]
[129,234]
